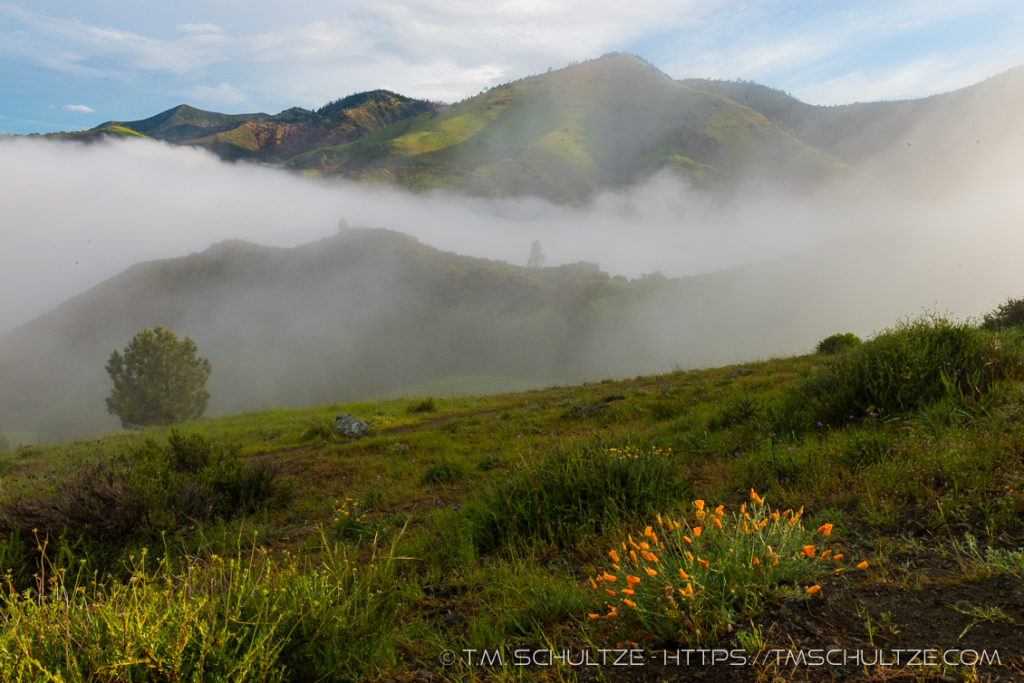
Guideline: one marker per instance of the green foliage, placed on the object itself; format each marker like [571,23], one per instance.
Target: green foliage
[1008,314]
[319,429]
[254,617]
[444,472]
[158,381]
[424,406]
[838,343]
[902,370]
[5,445]
[536,258]
[115,502]
[695,579]
[570,493]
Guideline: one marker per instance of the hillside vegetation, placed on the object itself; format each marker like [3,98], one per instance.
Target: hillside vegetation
[363,313]
[608,122]
[605,124]
[865,499]
[262,137]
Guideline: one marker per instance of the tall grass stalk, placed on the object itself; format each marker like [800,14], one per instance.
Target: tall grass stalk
[256,616]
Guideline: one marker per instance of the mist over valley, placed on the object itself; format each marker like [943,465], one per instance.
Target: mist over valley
[685,223]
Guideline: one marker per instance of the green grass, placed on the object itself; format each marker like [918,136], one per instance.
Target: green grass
[480,521]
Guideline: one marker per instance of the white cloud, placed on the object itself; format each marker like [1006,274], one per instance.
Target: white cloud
[222,94]
[79,108]
[74,46]
[199,28]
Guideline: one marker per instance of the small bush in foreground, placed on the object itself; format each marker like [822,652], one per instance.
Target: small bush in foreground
[252,617]
[902,370]
[444,472]
[837,343]
[572,493]
[424,406]
[114,503]
[693,579]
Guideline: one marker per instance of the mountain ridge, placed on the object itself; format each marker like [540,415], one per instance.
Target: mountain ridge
[605,123]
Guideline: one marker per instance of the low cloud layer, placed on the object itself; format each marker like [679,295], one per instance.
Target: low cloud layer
[76,215]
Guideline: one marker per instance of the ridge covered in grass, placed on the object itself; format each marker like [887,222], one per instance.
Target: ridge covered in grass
[485,522]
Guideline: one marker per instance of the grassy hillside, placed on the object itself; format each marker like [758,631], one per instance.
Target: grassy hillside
[561,135]
[941,126]
[608,123]
[367,312]
[792,505]
[264,137]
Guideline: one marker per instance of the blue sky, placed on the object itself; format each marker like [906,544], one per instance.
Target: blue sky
[72,65]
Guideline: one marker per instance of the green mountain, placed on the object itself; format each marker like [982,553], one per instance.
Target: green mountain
[941,124]
[267,138]
[603,124]
[562,135]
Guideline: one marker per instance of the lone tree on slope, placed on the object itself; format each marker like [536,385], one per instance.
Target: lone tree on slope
[158,381]
[536,259]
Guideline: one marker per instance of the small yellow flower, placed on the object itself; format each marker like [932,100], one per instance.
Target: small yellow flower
[714,520]
[825,554]
[696,531]
[609,592]
[651,572]
[703,563]
[813,589]
[825,529]
[863,565]
[629,603]
[699,504]
[632,580]
[808,550]
[632,555]
[683,575]
[687,539]
[610,578]
[628,591]
[616,567]
[838,557]
[720,510]
[614,555]
[648,531]
[757,561]
[593,584]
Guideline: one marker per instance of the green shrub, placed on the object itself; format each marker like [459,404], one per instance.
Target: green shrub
[5,445]
[424,406]
[444,472]
[319,429]
[574,493]
[737,414]
[902,370]
[664,410]
[695,579]
[837,343]
[1008,314]
[114,503]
